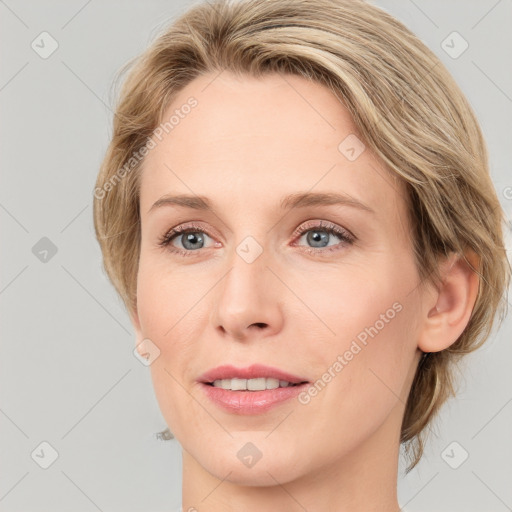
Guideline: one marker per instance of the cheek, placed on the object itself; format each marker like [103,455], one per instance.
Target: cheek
[344,301]
[360,383]
[166,299]
[170,313]
[371,315]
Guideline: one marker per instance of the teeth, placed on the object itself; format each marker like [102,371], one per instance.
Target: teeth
[236,384]
[258,384]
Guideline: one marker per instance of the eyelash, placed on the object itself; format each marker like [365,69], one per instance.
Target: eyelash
[346,237]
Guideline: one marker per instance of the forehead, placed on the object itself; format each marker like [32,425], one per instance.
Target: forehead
[252,139]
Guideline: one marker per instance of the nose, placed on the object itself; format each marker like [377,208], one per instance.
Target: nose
[248,303]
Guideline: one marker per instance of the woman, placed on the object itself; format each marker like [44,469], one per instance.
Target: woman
[297,212]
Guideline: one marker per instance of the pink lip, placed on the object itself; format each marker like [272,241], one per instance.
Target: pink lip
[250,372]
[250,402]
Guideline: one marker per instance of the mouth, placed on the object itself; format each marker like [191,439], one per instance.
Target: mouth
[251,390]
[255,384]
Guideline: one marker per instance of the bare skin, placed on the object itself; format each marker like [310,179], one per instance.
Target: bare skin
[246,145]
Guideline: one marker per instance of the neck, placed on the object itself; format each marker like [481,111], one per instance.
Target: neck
[363,480]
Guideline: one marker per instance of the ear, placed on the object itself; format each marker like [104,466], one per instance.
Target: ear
[448,309]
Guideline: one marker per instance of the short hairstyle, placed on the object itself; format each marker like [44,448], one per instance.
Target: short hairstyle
[407,109]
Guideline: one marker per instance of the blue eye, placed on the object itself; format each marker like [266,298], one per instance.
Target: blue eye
[192,238]
[318,235]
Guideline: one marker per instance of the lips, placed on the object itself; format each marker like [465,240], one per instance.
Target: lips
[237,399]
[251,372]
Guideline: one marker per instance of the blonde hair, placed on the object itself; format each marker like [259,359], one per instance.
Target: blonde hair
[402,99]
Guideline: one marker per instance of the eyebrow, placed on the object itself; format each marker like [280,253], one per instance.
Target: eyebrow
[297,200]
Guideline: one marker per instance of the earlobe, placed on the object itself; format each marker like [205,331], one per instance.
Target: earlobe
[453,303]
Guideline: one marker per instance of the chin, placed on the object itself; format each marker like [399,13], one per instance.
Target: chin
[260,475]
[242,463]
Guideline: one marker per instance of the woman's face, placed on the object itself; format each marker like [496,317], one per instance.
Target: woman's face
[325,291]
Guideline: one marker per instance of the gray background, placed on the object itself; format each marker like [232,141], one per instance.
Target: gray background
[68,373]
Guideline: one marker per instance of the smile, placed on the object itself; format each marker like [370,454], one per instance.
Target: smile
[251,390]
[256,384]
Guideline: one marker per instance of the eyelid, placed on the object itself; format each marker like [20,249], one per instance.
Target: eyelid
[327,225]
[180,229]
